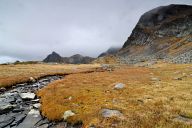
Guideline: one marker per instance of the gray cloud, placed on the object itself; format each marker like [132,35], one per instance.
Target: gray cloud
[31,29]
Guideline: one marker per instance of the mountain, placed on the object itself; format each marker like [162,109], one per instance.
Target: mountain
[161,33]
[110,51]
[54,57]
[75,59]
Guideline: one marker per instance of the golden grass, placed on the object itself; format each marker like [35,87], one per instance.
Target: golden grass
[13,74]
[143,102]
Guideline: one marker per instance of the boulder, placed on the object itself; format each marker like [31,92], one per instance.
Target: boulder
[119,86]
[155,79]
[67,114]
[32,79]
[107,113]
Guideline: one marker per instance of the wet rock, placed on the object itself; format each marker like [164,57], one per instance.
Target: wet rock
[27,96]
[42,122]
[16,110]
[31,119]
[119,86]
[6,107]
[107,113]
[35,101]
[6,122]
[44,126]
[67,114]
[2,89]
[18,119]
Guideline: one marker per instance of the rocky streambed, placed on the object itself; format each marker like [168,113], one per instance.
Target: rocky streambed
[19,106]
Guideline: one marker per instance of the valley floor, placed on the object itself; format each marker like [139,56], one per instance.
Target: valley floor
[158,96]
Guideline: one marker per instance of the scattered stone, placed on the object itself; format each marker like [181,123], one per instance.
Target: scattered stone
[119,86]
[177,78]
[32,79]
[107,113]
[183,119]
[70,98]
[27,96]
[19,107]
[67,114]
[155,79]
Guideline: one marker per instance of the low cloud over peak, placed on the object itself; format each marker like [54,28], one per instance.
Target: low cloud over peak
[31,29]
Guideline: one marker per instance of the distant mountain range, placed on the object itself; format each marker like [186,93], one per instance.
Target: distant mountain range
[75,59]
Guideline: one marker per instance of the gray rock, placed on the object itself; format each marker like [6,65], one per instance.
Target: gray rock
[155,79]
[18,119]
[2,89]
[6,107]
[27,96]
[32,79]
[177,78]
[119,86]
[32,118]
[67,114]
[107,113]
[6,122]
[37,105]
[43,126]
[183,119]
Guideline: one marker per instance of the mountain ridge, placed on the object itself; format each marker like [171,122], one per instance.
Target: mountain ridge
[74,59]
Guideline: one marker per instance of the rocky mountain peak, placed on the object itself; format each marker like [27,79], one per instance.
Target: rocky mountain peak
[161,14]
[164,32]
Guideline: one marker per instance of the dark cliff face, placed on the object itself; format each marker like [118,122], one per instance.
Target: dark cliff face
[162,32]
[75,59]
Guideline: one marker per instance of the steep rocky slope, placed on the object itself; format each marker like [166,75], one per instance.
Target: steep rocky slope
[161,33]
[75,59]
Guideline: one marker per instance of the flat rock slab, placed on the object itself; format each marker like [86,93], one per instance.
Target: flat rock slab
[6,122]
[32,118]
[27,96]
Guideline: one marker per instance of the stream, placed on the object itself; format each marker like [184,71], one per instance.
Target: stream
[19,106]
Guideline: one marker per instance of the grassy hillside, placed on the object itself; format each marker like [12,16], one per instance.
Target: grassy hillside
[12,74]
[152,97]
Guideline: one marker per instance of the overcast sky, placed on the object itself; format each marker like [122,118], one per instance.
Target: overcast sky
[32,29]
